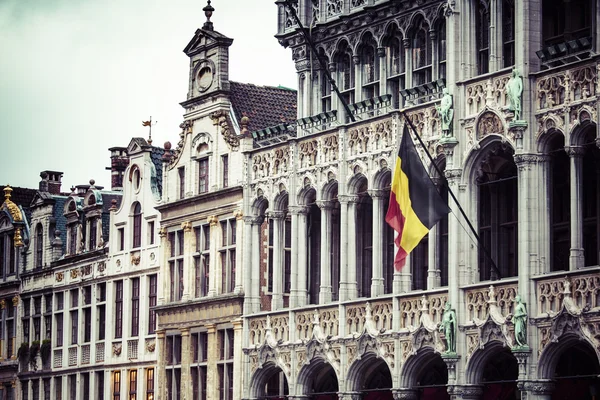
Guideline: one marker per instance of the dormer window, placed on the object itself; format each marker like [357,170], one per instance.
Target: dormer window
[137,225]
[93,234]
[39,246]
[7,254]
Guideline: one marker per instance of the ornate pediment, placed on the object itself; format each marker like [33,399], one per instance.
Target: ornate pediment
[490,331]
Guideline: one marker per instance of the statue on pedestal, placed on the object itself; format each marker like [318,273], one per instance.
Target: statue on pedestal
[514,90]
[519,319]
[446,111]
[448,327]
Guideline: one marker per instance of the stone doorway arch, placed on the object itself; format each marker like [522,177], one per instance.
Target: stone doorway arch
[370,376]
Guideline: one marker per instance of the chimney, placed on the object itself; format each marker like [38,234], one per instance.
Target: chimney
[118,163]
[51,181]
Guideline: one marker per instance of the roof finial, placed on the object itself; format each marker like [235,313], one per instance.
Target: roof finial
[208,10]
[7,192]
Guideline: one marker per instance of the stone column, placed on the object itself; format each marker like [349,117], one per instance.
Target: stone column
[188,261]
[408,60]
[302,260]
[357,78]
[528,202]
[471,392]
[162,363]
[164,295]
[237,358]
[405,394]
[277,296]
[255,286]
[576,257]
[536,390]
[455,275]
[325,289]
[294,210]
[352,287]
[186,353]
[378,197]
[343,289]
[240,238]
[247,260]
[495,38]
[213,221]
[212,383]
[383,72]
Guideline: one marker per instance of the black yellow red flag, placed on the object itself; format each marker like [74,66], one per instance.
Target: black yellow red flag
[415,204]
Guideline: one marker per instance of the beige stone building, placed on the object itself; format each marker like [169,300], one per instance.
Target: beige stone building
[202,225]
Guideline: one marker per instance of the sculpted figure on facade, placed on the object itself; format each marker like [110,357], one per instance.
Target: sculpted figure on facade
[448,326]
[446,111]
[519,319]
[514,90]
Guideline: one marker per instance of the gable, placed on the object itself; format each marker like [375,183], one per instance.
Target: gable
[204,40]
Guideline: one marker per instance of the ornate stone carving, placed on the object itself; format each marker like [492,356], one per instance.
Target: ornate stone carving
[330,148]
[221,119]
[280,160]
[261,165]
[117,348]
[489,123]
[150,345]
[59,276]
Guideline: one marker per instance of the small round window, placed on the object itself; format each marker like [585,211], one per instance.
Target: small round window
[137,178]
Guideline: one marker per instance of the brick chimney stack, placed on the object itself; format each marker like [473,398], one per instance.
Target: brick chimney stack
[51,181]
[119,160]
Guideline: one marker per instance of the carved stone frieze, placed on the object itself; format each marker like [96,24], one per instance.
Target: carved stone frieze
[307,153]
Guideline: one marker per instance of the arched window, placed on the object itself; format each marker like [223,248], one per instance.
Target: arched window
[396,64]
[364,244]
[591,198]
[441,49]
[137,225]
[497,208]
[482,32]
[370,67]
[325,85]
[39,246]
[421,52]
[563,21]
[508,33]
[560,204]
[314,252]
[345,69]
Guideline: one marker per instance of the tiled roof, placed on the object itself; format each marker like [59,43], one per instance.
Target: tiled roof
[265,106]
[156,156]
[61,221]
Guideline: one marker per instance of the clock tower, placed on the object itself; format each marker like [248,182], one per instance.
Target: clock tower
[209,57]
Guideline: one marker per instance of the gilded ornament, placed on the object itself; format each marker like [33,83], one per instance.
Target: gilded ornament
[60,276]
[2,304]
[13,209]
[213,220]
[15,301]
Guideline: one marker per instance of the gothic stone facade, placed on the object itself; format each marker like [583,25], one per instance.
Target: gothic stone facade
[326,315]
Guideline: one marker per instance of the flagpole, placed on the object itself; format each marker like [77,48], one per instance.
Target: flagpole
[451,193]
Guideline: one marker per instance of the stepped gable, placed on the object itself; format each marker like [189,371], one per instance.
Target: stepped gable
[265,106]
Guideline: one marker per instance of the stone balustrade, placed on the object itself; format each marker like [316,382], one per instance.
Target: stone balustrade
[477,299]
[583,285]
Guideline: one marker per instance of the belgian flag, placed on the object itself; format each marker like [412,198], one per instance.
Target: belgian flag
[415,204]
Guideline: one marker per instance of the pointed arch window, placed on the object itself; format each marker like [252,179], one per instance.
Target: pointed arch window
[421,54]
[364,244]
[508,33]
[441,49]
[137,225]
[497,208]
[345,69]
[591,199]
[370,68]
[482,32]
[396,64]
[560,215]
[39,246]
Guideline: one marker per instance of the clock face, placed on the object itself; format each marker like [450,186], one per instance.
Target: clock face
[204,78]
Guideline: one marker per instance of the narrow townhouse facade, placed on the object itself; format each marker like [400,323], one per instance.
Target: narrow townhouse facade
[201,295]
[14,234]
[63,304]
[504,95]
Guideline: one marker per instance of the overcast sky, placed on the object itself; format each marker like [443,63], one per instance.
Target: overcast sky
[79,76]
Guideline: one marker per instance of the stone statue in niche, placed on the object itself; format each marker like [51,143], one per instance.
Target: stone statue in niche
[446,111]
[448,327]
[519,319]
[514,90]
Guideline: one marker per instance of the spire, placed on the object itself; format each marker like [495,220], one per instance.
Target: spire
[208,10]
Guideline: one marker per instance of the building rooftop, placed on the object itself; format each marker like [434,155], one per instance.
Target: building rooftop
[264,106]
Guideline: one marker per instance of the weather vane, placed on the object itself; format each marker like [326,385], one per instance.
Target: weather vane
[149,124]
